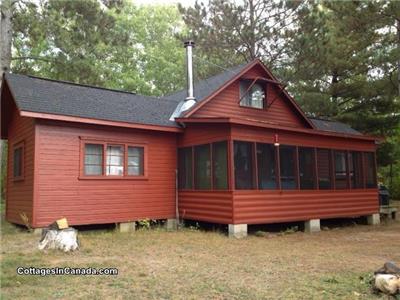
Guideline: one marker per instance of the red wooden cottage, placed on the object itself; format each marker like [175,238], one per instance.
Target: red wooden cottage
[245,153]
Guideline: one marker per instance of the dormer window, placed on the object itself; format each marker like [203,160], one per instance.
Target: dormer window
[252,94]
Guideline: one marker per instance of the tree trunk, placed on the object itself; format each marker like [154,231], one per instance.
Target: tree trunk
[398,62]
[5,36]
[5,62]
[252,43]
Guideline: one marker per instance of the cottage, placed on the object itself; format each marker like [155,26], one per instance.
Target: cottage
[245,153]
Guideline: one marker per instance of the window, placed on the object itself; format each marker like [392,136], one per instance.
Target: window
[202,167]
[306,168]
[340,170]
[93,159]
[220,165]
[18,161]
[287,155]
[113,160]
[135,161]
[185,175]
[266,166]
[243,160]
[252,94]
[356,170]
[370,171]
[324,168]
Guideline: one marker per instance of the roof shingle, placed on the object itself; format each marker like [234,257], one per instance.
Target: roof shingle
[64,98]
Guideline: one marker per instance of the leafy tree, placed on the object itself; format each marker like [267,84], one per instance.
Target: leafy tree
[113,44]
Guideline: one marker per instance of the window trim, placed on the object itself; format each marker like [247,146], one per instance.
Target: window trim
[105,143]
[247,91]
[19,145]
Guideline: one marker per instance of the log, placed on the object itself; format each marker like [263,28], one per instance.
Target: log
[65,240]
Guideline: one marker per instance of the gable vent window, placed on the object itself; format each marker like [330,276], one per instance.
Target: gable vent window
[252,94]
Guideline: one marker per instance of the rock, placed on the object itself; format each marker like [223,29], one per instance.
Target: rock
[387,283]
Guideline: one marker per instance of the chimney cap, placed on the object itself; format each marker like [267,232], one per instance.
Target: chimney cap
[189,43]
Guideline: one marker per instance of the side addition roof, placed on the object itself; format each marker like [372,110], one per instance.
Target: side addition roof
[333,126]
[41,95]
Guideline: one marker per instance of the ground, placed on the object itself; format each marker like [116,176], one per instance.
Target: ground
[196,264]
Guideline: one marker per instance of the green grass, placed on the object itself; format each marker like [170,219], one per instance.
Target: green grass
[192,264]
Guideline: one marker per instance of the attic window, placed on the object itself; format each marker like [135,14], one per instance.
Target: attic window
[252,94]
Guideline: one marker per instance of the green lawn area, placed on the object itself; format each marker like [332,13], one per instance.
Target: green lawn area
[193,264]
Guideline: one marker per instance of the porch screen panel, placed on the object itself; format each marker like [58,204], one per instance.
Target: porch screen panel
[340,170]
[266,166]
[370,171]
[324,169]
[93,159]
[202,167]
[287,156]
[185,177]
[243,156]
[356,169]
[220,165]
[306,168]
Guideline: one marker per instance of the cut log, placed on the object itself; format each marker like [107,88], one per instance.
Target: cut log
[65,239]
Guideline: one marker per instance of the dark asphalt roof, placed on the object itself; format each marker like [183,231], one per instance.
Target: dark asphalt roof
[64,98]
[204,88]
[333,126]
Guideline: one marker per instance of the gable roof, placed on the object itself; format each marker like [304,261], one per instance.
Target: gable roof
[206,89]
[41,95]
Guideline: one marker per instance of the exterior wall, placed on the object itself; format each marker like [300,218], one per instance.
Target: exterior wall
[247,133]
[19,194]
[208,206]
[269,206]
[272,206]
[61,192]
[226,104]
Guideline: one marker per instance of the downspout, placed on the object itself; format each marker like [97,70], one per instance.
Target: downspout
[176,198]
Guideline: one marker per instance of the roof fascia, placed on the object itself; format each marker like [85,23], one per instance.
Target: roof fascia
[98,121]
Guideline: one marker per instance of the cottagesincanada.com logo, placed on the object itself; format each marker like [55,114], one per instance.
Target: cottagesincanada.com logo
[36,271]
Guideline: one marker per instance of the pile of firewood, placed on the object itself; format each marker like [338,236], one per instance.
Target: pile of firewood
[387,279]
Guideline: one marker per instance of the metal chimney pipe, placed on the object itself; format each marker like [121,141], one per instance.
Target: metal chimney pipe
[189,67]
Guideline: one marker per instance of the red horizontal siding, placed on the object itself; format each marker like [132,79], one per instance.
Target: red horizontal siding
[60,192]
[215,206]
[226,104]
[247,133]
[19,194]
[252,207]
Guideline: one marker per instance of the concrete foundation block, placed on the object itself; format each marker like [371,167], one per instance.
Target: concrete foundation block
[171,224]
[237,230]
[313,225]
[374,219]
[127,227]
